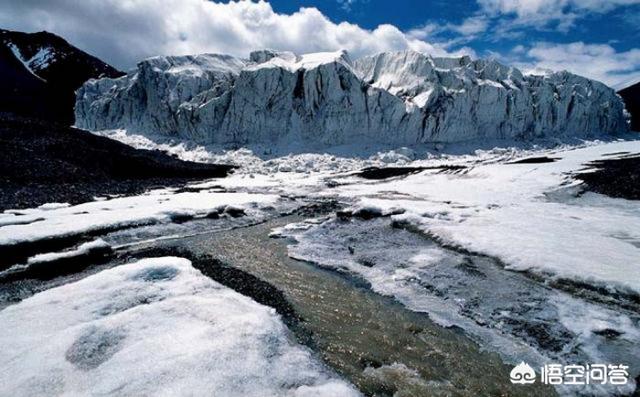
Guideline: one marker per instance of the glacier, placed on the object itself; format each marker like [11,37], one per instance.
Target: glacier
[328,99]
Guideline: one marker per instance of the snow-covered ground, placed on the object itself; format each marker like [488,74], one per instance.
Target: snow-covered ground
[482,222]
[527,215]
[501,249]
[154,327]
[506,312]
[294,158]
[267,160]
[158,206]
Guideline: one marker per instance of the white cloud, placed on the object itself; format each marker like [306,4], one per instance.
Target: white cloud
[542,13]
[597,61]
[468,30]
[346,4]
[124,31]
[425,31]
[500,20]
[471,26]
[519,49]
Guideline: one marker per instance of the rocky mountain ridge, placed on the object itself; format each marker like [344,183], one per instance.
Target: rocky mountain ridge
[40,73]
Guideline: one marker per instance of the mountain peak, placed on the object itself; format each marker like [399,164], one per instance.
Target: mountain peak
[59,66]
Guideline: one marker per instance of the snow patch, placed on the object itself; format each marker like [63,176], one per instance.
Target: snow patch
[160,206]
[27,63]
[159,327]
[82,249]
[42,59]
[53,206]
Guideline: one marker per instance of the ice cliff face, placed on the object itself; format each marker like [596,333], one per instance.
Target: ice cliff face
[328,99]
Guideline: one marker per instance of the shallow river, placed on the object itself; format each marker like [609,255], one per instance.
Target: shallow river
[372,340]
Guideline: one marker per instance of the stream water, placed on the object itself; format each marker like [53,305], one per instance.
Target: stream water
[386,307]
[372,340]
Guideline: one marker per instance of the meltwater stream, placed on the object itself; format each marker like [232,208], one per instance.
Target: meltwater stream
[373,341]
[522,317]
[388,308]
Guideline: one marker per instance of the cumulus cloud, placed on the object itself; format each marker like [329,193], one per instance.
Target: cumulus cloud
[598,61]
[124,31]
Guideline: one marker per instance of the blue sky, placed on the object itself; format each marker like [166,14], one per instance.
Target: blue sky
[619,26]
[503,29]
[599,39]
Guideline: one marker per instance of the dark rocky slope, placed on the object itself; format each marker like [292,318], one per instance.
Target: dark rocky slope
[631,97]
[614,177]
[42,162]
[40,72]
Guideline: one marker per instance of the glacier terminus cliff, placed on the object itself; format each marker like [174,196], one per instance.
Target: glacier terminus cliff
[329,99]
